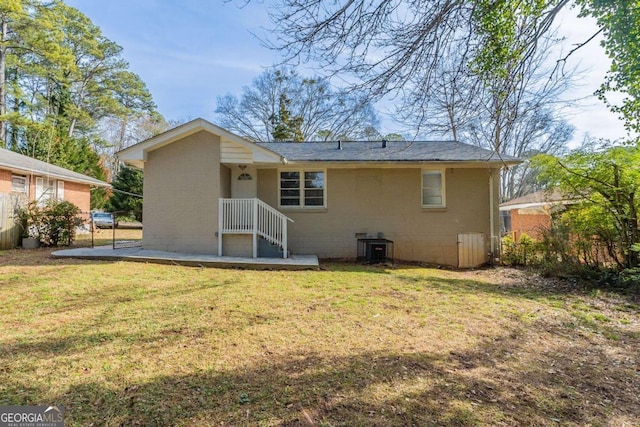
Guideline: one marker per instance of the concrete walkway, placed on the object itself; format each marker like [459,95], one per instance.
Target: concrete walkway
[295,262]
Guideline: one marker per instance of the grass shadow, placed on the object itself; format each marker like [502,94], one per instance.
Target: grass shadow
[371,388]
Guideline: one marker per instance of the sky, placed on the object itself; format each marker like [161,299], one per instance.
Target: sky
[189,52]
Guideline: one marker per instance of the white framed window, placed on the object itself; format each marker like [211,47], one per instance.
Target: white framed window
[60,192]
[433,188]
[45,190]
[302,189]
[19,184]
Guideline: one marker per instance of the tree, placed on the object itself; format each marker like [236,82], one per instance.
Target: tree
[618,22]
[9,12]
[127,195]
[119,132]
[393,46]
[607,182]
[513,110]
[285,127]
[60,78]
[319,110]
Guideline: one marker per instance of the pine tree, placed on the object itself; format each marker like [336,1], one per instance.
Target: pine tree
[129,180]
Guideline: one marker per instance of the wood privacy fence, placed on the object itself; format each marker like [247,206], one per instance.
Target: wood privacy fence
[9,229]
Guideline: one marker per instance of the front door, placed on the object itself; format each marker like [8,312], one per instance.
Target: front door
[244,182]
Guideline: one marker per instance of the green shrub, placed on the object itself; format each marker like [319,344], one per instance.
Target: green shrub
[522,252]
[54,223]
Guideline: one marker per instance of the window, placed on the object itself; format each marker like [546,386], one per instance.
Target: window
[433,194]
[45,190]
[19,184]
[60,194]
[302,189]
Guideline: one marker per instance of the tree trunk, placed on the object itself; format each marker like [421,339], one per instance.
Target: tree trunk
[3,81]
[634,233]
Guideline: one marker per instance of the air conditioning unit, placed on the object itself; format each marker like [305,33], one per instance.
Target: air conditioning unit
[375,250]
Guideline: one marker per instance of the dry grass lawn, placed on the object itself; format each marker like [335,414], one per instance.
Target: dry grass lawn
[128,344]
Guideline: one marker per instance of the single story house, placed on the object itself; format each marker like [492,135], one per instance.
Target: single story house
[24,179]
[531,214]
[207,190]
[42,181]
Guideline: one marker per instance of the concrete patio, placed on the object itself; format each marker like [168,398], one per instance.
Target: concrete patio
[295,262]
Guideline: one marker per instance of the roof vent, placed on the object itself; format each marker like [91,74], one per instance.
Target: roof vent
[339,145]
[384,143]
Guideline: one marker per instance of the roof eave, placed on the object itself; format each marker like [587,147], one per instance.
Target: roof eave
[493,164]
[31,171]
[136,155]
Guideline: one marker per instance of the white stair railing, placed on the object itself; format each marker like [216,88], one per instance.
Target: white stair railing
[253,216]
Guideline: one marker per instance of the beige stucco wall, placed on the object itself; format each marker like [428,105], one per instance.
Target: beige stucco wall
[237,245]
[225,181]
[388,201]
[181,192]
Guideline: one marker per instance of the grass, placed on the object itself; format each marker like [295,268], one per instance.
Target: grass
[140,344]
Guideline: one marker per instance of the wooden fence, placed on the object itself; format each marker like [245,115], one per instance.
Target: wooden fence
[9,229]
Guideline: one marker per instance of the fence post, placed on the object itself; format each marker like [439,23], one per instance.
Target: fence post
[93,230]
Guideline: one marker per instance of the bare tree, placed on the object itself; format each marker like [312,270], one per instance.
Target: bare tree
[392,44]
[471,70]
[117,133]
[325,111]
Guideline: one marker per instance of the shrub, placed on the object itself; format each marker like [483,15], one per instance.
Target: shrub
[521,252]
[54,223]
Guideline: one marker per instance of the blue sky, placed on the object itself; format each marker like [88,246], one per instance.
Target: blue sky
[188,52]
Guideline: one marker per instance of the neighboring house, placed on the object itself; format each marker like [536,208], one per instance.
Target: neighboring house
[24,179]
[42,181]
[531,214]
[207,190]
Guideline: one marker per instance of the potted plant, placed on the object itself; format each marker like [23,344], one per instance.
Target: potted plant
[26,219]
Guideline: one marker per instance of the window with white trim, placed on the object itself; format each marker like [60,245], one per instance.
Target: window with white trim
[19,184]
[302,189]
[433,188]
[45,190]
[60,193]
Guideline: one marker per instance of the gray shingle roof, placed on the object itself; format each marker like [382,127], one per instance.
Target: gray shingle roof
[15,161]
[396,151]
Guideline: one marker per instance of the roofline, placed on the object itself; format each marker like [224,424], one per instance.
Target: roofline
[494,158]
[445,163]
[187,129]
[505,207]
[92,181]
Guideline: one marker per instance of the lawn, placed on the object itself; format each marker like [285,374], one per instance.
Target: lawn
[129,344]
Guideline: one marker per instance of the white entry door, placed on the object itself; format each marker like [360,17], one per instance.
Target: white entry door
[244,182]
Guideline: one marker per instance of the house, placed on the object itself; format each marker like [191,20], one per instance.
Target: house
[24,179]
[42,181]
[531,214]
[207,190]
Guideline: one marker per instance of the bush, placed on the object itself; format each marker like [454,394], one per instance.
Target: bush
[54,223]
[522,252]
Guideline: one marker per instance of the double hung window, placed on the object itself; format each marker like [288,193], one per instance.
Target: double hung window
[303,189]
[433,188]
